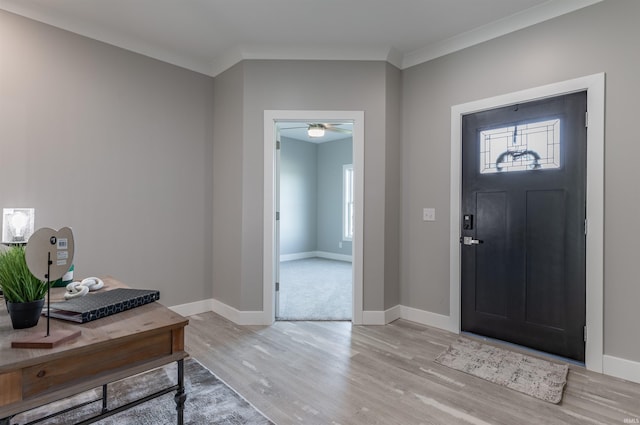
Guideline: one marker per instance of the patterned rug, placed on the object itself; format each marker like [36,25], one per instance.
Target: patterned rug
[529,375]
[209,401]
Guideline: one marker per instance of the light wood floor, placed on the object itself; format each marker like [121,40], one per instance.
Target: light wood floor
[335,373]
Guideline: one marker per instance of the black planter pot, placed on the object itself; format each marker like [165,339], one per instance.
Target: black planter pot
[25,315]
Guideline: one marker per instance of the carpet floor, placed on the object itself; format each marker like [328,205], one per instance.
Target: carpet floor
[315,289]
[209,401]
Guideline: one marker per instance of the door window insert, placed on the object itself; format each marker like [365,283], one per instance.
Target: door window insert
[521,147]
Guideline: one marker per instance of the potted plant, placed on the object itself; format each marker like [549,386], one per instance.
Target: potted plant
[23,292]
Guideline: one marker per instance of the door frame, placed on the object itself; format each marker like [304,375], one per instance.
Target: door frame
[594,85]
[271,118]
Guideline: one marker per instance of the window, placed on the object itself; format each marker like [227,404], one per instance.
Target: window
[535,145]
[347,202]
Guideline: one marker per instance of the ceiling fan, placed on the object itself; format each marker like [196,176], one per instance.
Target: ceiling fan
[318,129]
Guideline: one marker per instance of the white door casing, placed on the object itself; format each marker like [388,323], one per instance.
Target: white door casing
[271,117]
[595,87]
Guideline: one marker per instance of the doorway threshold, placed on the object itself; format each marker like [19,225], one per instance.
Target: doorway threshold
[278,319]
[523,348]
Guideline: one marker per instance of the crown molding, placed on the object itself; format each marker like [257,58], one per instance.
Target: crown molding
[108,37]
[217,65]
[535,15]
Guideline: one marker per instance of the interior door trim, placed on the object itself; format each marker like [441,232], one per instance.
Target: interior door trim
[271,117]
[594,85]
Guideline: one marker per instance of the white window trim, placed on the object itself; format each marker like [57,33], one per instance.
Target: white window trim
[346,194]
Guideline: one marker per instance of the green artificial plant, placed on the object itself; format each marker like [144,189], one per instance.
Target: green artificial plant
[16,281]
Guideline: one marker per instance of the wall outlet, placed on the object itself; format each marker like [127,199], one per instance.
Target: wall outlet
[429,214]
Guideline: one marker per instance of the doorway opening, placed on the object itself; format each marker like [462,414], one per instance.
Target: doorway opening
[347,246]
[314,190]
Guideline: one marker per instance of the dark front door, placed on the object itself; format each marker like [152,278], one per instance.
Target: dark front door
[523,227]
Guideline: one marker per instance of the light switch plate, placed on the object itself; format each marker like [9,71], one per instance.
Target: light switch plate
[429,214]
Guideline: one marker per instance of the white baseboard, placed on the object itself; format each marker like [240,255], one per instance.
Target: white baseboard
[230,313]
[394,313]
[239,317]
[373,317]
[196,307]
[621,368]
[422,317]
[334,256]
[370,317]
[297,256]
[313,254]
[427,318]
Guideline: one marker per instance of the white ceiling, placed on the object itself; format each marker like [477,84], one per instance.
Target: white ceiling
[209,36]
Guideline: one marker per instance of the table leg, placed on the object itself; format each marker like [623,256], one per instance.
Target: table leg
[104,399]
[180,396]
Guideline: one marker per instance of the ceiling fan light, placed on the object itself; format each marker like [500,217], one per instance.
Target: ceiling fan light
[315,130]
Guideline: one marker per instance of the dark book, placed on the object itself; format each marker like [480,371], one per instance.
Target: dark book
[102,304]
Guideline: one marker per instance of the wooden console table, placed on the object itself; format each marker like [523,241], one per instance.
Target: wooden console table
[109,349]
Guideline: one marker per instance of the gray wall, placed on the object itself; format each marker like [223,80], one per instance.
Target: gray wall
[307,85]
[114,144]
[134,140]
[392,186]
[135,137]
[227,189]
[602,37]
[332,156]
[298,196]
[311,196]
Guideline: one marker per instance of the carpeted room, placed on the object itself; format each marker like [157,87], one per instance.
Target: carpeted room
[315,252]
[157,145]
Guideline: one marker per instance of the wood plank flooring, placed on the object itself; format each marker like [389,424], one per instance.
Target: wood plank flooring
[335,373]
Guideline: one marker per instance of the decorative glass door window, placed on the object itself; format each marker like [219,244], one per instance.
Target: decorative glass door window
[530,146]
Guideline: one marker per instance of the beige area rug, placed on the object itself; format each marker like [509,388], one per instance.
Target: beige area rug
[529,375]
